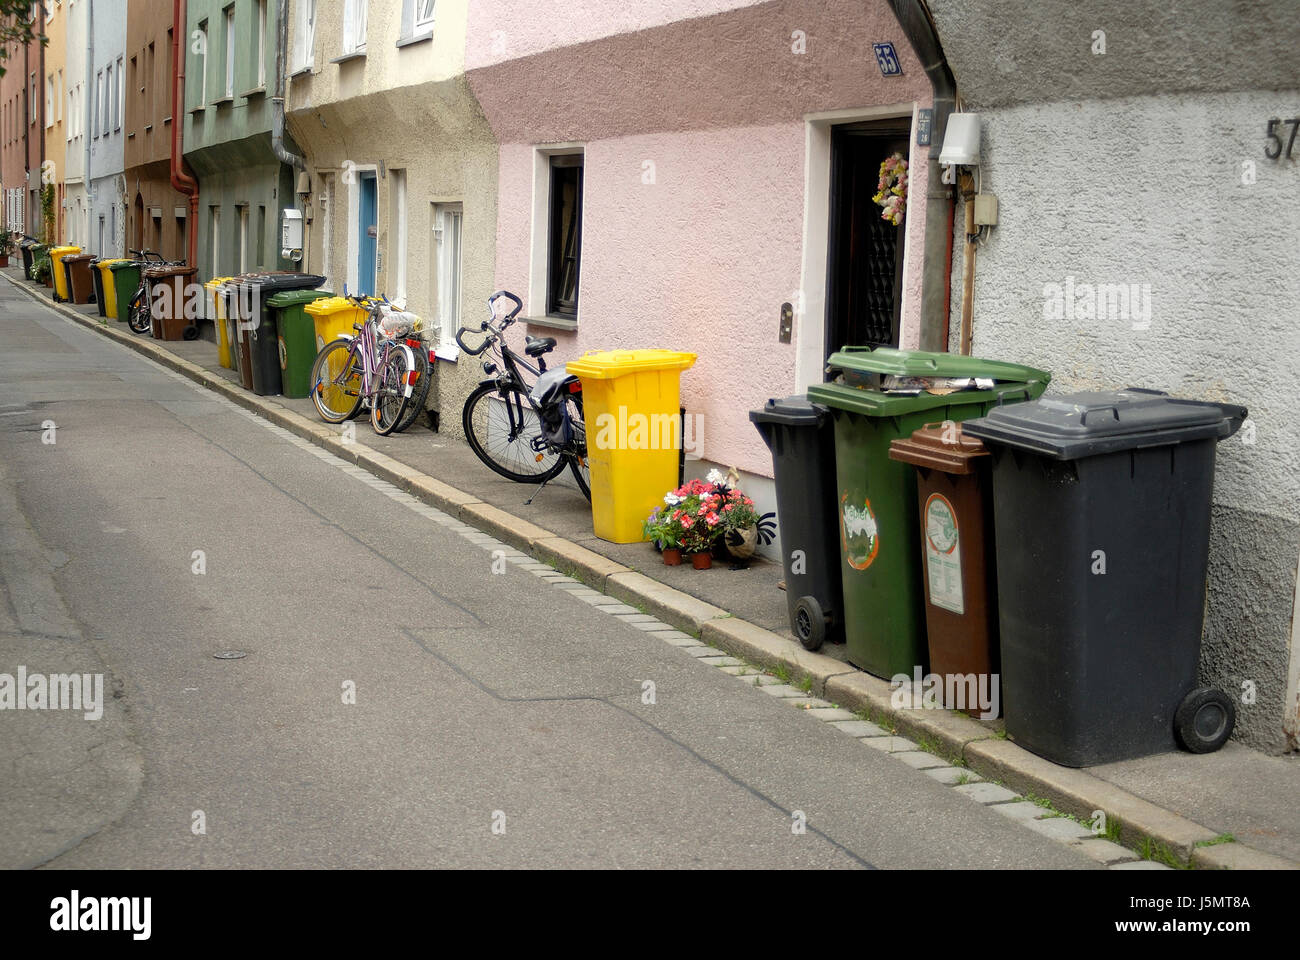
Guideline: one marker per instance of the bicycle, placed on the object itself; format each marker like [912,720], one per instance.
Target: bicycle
[139,314]
[374,367]
[526,434]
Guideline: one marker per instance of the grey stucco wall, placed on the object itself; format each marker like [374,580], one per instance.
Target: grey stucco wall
[1151,190]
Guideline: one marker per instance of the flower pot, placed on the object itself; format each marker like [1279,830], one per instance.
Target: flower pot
[4,259]
[737,544]
[701,561]
[672,557]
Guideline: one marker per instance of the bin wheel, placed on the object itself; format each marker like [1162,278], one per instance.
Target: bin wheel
[190,333]
[809,623]
[1204,720]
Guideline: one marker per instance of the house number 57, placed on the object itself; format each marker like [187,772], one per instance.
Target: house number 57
[1272,136]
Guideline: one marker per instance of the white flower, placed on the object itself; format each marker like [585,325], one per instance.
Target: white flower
[672,499]
[715,476]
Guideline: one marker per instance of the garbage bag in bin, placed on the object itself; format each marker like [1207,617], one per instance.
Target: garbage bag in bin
[1102,510]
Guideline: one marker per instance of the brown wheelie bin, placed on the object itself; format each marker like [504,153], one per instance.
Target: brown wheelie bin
[167,312]
[954,493]
[81,285]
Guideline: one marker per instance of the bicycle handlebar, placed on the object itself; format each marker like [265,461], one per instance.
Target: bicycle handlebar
[472,352]
[509,317]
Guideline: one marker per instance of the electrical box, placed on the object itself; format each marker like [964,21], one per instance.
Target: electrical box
[291,234]
[986,210]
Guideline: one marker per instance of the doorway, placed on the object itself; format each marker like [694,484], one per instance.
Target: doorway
[864,260]
[367,232]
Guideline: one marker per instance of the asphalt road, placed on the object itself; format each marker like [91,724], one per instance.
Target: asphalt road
[481,698]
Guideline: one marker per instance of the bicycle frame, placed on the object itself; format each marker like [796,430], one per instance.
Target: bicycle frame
[374,356]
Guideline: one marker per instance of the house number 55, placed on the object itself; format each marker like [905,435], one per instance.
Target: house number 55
[1271,135]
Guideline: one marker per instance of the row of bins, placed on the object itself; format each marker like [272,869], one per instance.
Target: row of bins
[947,521]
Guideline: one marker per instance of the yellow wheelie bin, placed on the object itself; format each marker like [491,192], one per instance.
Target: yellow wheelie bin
[61,289]
[333,317]
[631,402]
[106,285]
[217,305]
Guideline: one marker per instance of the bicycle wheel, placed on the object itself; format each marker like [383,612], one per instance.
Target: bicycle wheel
[389,403]
[576,451]
[423,380]
[336,393]
[503,432]
[138,318]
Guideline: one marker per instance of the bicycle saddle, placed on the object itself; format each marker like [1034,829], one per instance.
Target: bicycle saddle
[536,346]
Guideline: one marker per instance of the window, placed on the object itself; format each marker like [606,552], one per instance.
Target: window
[305,34]
[203,63]
[230,51]
[261,42]
[243,239]
[107,111]
[564,242]
[119,101]
[447,219]
[215,213]
[398,218]
[354,26]
[31,98]
[261,236]
[423,16]
[150,81]
[49,101]
[97,108]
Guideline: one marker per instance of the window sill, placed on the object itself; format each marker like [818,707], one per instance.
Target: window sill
[348,57]
[199,109]
[255,92]
[415,38]
[148,127]
[305,68]
[554,323]
[223,101]
[166,120]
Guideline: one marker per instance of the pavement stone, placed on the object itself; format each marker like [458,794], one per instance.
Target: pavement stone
[921,760]
[859,728]
[987,792]
[724,661]
[889,744]
[1060,828]
[1104,851]
[829,714]
[954,776]
[1024,810]
[1139,865]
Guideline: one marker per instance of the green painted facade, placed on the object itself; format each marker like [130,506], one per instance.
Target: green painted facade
[228,120]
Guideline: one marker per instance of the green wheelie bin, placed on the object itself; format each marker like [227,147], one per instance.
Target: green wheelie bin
[886,394]
[126,281]
[296,332]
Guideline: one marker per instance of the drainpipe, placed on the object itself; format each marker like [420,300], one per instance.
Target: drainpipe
[277,102]
[914,18]
[85,127]
[182,181]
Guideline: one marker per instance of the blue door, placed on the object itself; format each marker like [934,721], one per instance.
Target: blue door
[368,228]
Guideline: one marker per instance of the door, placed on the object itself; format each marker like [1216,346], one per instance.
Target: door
[865,255]
[367,233]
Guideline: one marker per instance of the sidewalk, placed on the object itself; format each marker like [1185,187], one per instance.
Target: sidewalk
[1170,806]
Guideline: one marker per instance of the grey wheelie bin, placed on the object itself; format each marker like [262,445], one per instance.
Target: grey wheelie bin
[802,440]
[1101,504]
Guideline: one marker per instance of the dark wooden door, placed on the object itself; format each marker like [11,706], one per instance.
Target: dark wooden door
[865,255]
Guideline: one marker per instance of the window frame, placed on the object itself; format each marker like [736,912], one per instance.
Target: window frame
[228,17]
[556,245]
[418,25]
[304,46]
[354,27]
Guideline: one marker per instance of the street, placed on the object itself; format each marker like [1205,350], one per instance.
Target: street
[409,696]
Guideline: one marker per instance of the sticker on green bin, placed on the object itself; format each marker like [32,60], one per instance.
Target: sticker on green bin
[943,554]
[859,534]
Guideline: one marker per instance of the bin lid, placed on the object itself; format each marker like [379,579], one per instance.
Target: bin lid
[796,411]
[1078,425]
[940,446]
[294,298]
[329,305]
[280,281]
[610,364]
[215,282]
[875,403]
[79,258]
[924,363]
[124,265]
[64,250]
[159,273]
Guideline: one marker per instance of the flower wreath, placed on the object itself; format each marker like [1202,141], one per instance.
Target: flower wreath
[891,191]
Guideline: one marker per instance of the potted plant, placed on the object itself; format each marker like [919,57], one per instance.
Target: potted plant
[6,247]
[665,532]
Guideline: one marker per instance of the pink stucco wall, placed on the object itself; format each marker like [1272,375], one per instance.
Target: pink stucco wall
[702,259]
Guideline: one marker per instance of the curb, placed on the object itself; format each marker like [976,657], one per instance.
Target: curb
[949,734]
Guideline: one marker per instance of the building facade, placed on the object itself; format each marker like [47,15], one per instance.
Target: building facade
[76,63]
[106,86]
[230,88]
[157,213]
[24,134]
[402,165]
[1166,178]
[54,166]
[698,176]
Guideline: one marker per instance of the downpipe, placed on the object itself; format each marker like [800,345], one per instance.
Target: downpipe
[182,182]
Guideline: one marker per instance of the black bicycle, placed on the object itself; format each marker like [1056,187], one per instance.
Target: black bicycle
[528,434]
[139,315]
